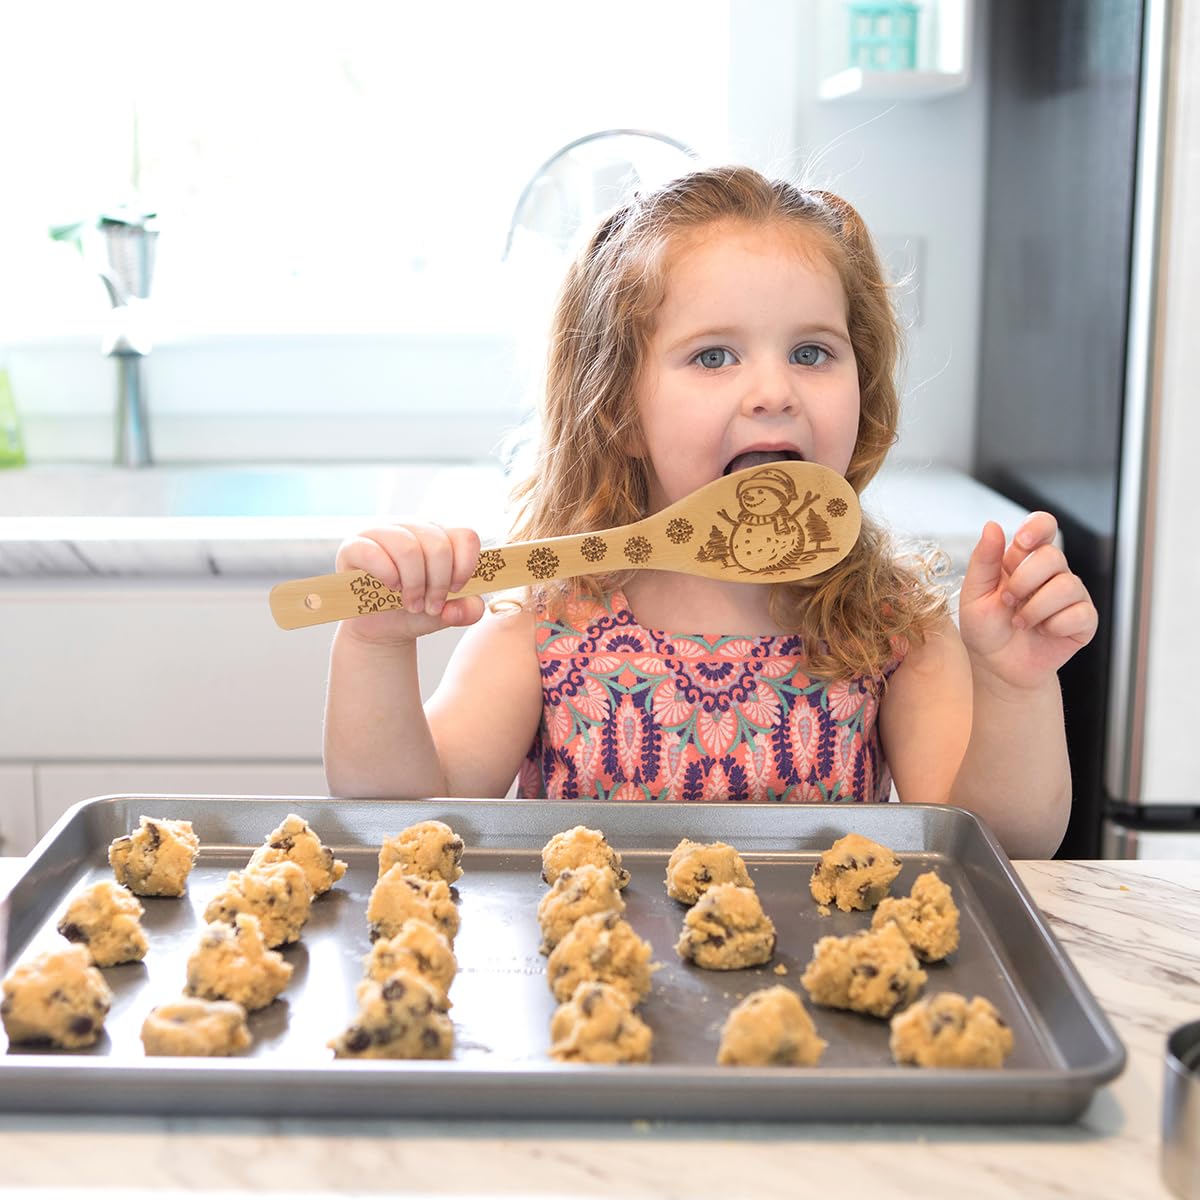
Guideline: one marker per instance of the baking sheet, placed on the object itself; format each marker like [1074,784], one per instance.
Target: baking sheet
[1065,1047]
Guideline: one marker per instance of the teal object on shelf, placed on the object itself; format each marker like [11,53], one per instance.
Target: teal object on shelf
[883,37]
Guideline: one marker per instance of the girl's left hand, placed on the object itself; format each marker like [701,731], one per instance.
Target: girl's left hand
[1022,613]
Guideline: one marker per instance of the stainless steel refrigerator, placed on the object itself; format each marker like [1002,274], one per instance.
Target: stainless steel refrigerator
[1068,408]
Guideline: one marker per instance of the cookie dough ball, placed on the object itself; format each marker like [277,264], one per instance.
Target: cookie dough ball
[946,1030]
[276,893]
[854,873]
[577,892]
[597,1026]
[927,916]
[727,930]
[106,918]
[402,1017]
[417,947]
[694,867]
[199,1028]
[770,1028]
[57,997]
[601,948]
[429,850]
[233,962]
[873,972]
[156,858]
[580,847]
[294,841]
[398,897]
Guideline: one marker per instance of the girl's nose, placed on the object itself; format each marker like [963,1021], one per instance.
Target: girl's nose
[771,390]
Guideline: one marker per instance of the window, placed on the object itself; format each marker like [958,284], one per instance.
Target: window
[319,168]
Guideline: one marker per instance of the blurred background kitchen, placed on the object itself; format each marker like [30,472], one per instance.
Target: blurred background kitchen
[270,270]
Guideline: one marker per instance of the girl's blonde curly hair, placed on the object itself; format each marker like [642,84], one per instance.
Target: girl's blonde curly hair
[852,616]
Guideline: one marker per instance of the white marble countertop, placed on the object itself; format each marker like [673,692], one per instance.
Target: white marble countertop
[1128,926]
[72,522]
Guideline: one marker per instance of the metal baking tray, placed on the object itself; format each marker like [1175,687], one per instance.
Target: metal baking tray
[1065,1047]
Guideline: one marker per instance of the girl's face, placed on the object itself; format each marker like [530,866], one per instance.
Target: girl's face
[750,358]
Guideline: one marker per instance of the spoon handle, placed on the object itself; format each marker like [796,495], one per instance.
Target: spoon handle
[344,594]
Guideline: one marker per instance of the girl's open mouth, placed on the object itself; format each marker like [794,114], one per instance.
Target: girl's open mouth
[760,458]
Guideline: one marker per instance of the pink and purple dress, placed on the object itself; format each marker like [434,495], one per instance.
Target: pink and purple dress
[630,713]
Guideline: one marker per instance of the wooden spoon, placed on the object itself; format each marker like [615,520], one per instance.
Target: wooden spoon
[766,524]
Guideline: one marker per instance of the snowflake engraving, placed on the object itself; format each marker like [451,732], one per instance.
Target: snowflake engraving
[638,549]
[542,563]
[490,562]
[593,549]
[373,596]
[836,507]
[679,531]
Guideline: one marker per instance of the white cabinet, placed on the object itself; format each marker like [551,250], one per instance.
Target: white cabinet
[18,830]
[119,686]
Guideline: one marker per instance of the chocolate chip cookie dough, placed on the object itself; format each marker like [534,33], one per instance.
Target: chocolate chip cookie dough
[727,930]
[694,867]
[57,997]
[199,1028]
[416,946]
[580,847]
[873,972]
[601,948]
[402,1017]
[429,850]
[233,962]
[854,873]
[576,893]
[398,897]
[106,919]
[927,916]
[597,1025]
[276,893]
[770,1028]
[295,841]
[945,1030]
[156,858]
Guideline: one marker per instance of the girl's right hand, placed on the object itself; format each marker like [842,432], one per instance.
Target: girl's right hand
[421,561]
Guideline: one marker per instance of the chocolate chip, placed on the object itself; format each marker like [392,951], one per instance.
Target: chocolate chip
[357,1039]
[704,875]
[285,844]
[73,932]
[870,970]
[590,1000]
[394,989]
[81,1026]
[611,919]
[714,939]
[430,1039]
[155,835]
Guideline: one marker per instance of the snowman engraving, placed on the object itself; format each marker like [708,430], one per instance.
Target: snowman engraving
[767,535]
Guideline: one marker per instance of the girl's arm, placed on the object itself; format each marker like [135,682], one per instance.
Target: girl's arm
[378,739]
[976,720]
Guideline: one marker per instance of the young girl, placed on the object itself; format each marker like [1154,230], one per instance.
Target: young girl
[722,321]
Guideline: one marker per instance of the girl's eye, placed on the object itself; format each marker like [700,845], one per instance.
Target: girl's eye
[714,357]
[809,356]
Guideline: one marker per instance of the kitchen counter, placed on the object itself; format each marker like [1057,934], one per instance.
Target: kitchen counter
[1128,926]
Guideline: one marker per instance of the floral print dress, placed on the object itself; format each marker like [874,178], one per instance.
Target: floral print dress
[630,713]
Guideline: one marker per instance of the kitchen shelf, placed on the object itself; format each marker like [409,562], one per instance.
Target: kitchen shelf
[855,83]
[943,56]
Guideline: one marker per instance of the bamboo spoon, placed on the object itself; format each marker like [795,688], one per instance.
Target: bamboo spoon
[764,524]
